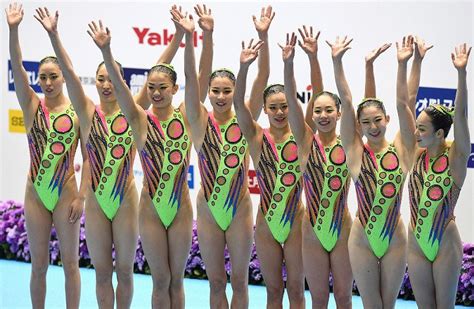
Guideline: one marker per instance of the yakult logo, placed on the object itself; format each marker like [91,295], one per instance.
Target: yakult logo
[145,36]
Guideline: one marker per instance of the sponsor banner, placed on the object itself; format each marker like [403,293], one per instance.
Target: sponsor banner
[15,121]
[164,37]
[31,68]
[470,162]
[305,95]
[427,96]
[253,182]
[191,177]
[135,78]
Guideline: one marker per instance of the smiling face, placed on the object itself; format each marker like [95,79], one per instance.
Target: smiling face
[325,114]
[104,86]
[51,79]
[373,122]
[276,108]
[160,89]
[221,94]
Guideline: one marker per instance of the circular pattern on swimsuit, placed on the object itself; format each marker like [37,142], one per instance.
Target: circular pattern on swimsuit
[232,160]
[175,129]
[389,161]
[423,212]
[108,171]
[440,165]
[119,125]
[435,193]
[165,176]
[377,210]
[46,163]
[335,183]
[290,152]
[62,124]
[337,155]
[57,148]
[388,190]
[118,151]
[325,203]
[288,179]
[447,181]
[175,157]
[220,180]
[233,134]
[277,197]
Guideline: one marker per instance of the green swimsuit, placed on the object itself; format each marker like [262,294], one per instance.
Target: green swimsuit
[111,152]
[52,142]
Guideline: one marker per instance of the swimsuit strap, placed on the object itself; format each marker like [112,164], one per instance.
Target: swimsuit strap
[382,220]
[436,186]
[175,142]
[117,164]
[233,149]
[328,226]
[55,161]
[285,196]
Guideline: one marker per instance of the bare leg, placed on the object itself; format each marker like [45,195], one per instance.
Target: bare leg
[38,225]
[212,243]
[341,267]
[270,254]
[447,267]
[316,266]
[239,238]
[365,267]
[99,243]
[393,265]
[155,245]
[421,274]
[294,263]
[68,235]
[180,234]
[125,236]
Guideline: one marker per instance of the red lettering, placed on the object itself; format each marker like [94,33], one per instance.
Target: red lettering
[141,33]
[253,182]
[167,37]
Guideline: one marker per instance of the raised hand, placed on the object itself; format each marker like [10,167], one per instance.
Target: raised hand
[185,23]
[250,53]
[266,17]
[205,21]
[421,48]
[308,43]
[99,34]
[14,14]
[405,49]
[374,54]
[339,47]
[288,51]
[461,56]
[179,11]
[49,23]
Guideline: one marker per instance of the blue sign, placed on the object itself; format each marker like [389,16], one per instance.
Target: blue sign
[427,96]
[135,78]
[470,161]
[31,68]
[191,177]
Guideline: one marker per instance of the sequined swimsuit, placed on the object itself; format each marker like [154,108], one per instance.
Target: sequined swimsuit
[223,163]
[165,162]
[378,190]
[433,196]
[326,185]
[278,175]
[52,141]
[111,153]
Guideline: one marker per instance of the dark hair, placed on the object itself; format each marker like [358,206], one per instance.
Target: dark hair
[441,117]
[118,64]
[49,59]
[272,89]
[333,96]
[166,68]
[222,72]
[370,102]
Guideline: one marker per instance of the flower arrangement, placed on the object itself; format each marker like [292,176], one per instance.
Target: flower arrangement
[14,246]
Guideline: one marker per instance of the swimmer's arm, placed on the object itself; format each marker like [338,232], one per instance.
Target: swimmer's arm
[255,102]
[415,74]
[206,23]
[309,44]
[27,98]
[370,88]
[82,104]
